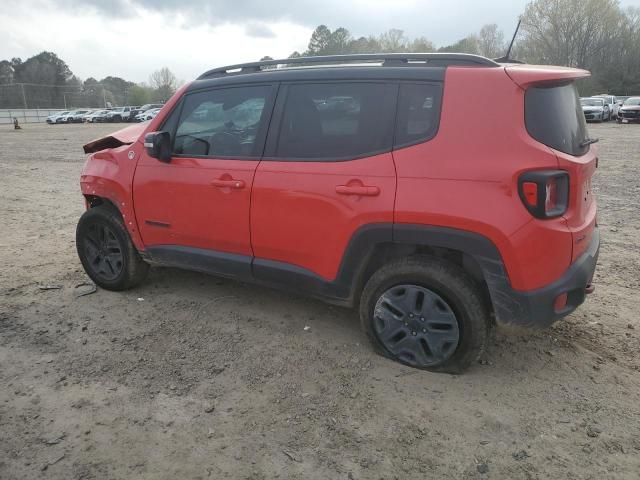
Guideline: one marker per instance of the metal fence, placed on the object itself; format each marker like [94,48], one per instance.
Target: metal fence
[26,115]
[28,96]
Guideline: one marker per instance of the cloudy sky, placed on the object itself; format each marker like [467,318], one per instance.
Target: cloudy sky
[131,38]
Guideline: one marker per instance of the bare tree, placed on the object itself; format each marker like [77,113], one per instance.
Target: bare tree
[491,41]
[164,82]
[569,32]
[393,41]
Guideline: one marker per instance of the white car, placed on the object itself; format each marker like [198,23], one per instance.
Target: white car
[148,115]
[595,109]
[119,114]
[74,116]
[96,116]
[53,118]
[612,102]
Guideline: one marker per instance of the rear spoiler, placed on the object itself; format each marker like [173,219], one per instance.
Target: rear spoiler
[526,75]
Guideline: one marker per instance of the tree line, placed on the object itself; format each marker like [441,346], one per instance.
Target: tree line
[46,81]
[596,35]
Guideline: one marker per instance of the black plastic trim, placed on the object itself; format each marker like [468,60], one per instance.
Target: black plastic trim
[346,73]
[529,309]
[540,178]
[536,308]
[201,260]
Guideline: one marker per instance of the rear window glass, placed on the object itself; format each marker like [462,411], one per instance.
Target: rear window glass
[337,120]
[554,116]
[418,113]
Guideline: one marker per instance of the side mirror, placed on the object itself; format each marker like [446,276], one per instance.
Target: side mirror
[158,145]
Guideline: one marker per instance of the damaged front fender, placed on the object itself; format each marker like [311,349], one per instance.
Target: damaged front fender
[126,136]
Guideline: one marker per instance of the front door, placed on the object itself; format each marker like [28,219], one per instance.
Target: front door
[199,202]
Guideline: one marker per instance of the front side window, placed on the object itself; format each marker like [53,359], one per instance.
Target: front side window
[418,113]
[332,121]
[221,123]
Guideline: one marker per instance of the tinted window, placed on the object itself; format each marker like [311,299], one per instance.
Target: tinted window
[554,117]
[337,121]
[418,113]
[220,123]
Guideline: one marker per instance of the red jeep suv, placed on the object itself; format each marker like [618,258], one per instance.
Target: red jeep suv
[437,193]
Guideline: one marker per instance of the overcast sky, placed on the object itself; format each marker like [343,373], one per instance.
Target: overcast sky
[131,38]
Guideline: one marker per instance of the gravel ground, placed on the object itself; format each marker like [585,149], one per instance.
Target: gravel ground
[192,377]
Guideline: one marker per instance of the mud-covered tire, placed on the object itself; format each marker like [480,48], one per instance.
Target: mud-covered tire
[106,251]
[440,281]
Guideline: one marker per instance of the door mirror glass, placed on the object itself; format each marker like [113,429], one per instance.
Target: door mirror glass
[158,145]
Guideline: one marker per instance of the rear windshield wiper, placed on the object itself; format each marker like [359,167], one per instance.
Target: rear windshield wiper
[589,141]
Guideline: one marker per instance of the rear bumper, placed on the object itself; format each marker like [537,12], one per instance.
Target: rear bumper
[536,308]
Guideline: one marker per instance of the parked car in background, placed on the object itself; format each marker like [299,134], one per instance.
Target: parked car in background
[612,102]
[595,109]
[630,111]
[119,114]
[74,116]
[149,106]
[147,115]
[53,118]
[96,116]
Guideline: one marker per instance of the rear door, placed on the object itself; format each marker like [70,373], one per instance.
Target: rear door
[327,171]
[201,198]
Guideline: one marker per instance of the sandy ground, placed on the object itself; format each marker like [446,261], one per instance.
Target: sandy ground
[193,377]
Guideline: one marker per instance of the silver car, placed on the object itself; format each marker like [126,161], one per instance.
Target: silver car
[595,109]
[613,104]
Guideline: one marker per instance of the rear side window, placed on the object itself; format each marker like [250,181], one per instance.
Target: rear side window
[418,113]
[337,121]
[554,116]
[222,122]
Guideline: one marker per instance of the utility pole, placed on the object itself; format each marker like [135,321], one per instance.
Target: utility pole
[24,97]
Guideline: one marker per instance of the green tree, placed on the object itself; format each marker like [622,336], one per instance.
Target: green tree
[139,95]
[466,45]
[319,42]
[339,42]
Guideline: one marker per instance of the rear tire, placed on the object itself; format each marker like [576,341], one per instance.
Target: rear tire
[106,251]
[446,327]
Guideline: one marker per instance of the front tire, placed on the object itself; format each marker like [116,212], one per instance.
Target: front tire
[106,251]
[426,313]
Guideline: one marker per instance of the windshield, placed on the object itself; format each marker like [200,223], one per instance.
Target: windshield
[554,117]
[592,102]
[632,101]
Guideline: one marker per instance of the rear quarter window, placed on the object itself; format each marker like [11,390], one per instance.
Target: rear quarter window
[554,117]
[418,113]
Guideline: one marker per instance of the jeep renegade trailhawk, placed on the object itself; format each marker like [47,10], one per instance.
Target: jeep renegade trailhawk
[439,193]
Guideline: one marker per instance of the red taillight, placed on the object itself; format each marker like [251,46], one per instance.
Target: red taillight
[530,191]
[545,193]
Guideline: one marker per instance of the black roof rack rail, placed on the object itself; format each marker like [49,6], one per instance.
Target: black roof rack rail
[387,59]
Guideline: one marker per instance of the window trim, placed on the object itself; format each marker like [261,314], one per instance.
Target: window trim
[440,100]
[278,117]
[261,136]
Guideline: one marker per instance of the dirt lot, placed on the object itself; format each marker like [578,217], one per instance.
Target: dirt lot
[190,376]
